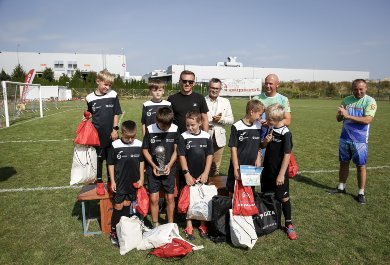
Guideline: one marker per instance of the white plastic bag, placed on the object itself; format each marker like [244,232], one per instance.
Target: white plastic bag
[200,202]
[242,231]
[159,236]
[84,165]
[129,231]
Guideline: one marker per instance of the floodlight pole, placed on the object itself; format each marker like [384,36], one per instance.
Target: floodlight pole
[40,101]
[5,100]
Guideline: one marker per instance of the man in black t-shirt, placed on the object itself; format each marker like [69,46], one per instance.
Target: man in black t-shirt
[186,100]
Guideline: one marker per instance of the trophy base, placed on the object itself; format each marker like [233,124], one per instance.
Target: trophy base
[160,172]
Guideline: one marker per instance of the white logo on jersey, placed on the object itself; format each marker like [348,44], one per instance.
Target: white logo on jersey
[119,155]
[153,140]
[110,106]
[149,112]
[241,137]
[195,104]
[188,146]
[255,137]
[94,107]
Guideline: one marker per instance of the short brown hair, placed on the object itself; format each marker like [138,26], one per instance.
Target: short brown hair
[105,76]
[357,81]
[156,83]
[165,116]
[129,126]
[193,114]
[187,72]
[254,105]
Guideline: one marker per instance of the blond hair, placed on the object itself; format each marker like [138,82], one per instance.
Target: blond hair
[275,112]
[105,76]
[195,115]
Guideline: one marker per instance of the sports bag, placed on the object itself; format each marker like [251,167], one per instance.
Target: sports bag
[242,231]
[159,236]
[142,206]
[84,165]
[243,200]
[219,229]
[268,219]
[184,200]
[86,133]
[178,248]
[129,231]
[200,202]
[292,167]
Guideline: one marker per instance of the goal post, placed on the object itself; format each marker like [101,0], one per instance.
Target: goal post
[13,101]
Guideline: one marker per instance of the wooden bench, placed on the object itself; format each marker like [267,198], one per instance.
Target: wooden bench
[220,183]
[87,194]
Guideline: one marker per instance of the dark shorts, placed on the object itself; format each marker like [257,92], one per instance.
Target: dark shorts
[168,182]
[102,152]
[230,180]
[281,192]
[119,198]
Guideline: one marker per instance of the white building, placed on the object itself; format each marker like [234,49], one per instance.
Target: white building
[63,63]
[235,70]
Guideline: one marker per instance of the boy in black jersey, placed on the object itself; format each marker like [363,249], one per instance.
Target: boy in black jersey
[245,142]
[126,167]
[274,177]
[150,107]
[104,106]
[195,155]
[162,133]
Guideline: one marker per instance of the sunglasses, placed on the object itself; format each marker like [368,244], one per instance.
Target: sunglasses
[187,81]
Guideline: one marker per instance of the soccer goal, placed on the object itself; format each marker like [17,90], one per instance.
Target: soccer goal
[15,105]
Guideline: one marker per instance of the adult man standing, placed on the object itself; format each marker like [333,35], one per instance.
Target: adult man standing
[271,96]
[186,100]
[220,113]
[357,112]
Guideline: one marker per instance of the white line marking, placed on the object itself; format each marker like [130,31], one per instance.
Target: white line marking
[120,119]
[78,187]
[34,141]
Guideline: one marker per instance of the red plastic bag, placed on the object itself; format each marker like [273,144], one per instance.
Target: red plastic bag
[142,206]
[184,200]
[177,249]
[86,133]
[243,200]
[292,167]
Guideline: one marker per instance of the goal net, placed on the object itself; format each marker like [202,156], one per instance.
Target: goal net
[20,101]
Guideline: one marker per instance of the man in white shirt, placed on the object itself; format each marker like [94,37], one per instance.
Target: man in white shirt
[220,113]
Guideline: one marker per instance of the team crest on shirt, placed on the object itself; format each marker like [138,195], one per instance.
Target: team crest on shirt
[149,113]
[153,140]
[119,155]
[195,104]
[242,137]
[94,107]
[188,145]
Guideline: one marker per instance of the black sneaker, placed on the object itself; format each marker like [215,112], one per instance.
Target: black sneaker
[361,199]
[114,239]
[335,191]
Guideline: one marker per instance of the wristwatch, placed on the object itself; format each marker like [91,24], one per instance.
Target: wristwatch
[115,128]
[185,171]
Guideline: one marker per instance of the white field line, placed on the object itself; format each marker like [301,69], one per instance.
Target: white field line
[37,118]
[35,141]
[78,187]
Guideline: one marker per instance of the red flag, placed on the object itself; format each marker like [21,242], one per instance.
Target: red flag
[28,79]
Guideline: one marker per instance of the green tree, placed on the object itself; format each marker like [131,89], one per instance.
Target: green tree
[91,80]
[63,80]
[48,74]
[4,76]
[77,80]
[18,74]
[118,82]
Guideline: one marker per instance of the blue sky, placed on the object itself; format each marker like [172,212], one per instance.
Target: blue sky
[337,35]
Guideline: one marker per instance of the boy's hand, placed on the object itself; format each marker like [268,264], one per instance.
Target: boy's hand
[263,123]
[155,171]
[280,180]
[189,179]
[258,162]
[113,186]
[237,174]
[203,178]
[268,138]
[114,135]
[140,183]
[167,169]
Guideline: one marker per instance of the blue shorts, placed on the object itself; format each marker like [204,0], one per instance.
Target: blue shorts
[352,150]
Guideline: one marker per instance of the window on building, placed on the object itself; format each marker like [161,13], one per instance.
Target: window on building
[58,64]
[72,65]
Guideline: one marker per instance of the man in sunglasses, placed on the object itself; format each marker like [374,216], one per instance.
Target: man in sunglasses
[187,100]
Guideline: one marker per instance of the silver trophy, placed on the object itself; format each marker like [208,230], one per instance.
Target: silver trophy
[160,156]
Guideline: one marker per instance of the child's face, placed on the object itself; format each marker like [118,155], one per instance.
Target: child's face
[157,93]
[192,125]
[271,122]
[163,127]
[128,137]
[255,115]
[103,87]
